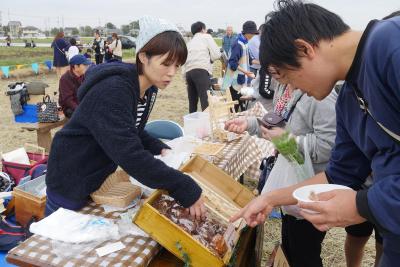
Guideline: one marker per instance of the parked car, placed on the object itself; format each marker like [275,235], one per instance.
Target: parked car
[128,42]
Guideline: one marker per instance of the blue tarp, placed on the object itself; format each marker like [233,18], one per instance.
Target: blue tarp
[29,115]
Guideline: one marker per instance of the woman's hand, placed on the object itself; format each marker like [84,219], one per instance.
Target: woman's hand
[237,125]
[165,151]
[198,209]
[271,133]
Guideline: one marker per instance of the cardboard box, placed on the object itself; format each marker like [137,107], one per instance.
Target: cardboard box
[223,195]
[29,200]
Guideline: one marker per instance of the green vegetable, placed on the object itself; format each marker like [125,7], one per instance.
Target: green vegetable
[287,146]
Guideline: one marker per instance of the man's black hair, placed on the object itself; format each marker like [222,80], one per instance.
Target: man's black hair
[392,15]
[197,27]
[295,20]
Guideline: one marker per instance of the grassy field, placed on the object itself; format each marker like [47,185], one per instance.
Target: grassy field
[11,56]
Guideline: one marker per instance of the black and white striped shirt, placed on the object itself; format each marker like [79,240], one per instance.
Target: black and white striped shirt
[142,103]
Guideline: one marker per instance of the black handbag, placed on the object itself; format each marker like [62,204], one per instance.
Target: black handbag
[47,110]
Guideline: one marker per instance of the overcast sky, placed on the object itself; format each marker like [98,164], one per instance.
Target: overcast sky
[214,13]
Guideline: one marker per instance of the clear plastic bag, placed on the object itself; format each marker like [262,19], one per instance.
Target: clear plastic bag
[288,172]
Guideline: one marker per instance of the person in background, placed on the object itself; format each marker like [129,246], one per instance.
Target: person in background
[8,40]
[210,32]
[116,47]
[107,129]
[314,133]
[107,51]
[33,44]
[70,82]
[88,53]
[73,50]
[202,51]
[227,40]
[60,60]
[254,50]
[98,47]
[238,69]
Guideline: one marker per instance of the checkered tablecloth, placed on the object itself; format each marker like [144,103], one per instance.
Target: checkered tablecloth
[138,251]
[238,155]
[265,147]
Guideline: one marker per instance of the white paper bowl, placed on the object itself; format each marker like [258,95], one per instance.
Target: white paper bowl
[302,194]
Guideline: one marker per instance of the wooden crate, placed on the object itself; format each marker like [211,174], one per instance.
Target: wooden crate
[176,240]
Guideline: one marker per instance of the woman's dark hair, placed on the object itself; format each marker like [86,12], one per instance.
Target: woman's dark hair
[115,35]
[295,20]
[72,41]
[197,27]
[170,42]
[392,15]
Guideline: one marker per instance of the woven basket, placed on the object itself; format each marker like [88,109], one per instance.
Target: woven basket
[116,191]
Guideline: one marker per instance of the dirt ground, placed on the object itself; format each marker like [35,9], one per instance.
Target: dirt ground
[171,104]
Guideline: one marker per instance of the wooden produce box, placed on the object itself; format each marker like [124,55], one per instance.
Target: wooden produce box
[223,197]
[29,200]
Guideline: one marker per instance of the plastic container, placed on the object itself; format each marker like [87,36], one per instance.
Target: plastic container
[197,124]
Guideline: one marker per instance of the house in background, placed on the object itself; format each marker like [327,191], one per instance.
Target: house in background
[15,28]
[30,32]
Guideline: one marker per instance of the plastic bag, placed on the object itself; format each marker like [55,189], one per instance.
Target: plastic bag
[286,173]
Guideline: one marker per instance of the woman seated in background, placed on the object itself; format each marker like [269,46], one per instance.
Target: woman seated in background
[107,128]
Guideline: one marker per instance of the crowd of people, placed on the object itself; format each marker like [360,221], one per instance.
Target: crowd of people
[335,89]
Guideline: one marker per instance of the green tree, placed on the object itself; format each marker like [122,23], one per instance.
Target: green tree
[125,29]
[109,25]
[88,31]
[134,25]
[54,31]
[75,31]
[6,29]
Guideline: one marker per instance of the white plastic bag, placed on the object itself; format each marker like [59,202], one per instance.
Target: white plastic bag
[76,227]
[286,173]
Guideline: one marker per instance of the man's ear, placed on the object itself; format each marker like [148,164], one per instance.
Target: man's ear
[304,48]
[143,58]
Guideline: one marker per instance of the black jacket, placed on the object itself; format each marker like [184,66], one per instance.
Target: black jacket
[101,135]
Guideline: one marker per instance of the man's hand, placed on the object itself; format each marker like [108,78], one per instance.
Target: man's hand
[271,133]
[335,208]
[198,209]
[256,211]
[237,125]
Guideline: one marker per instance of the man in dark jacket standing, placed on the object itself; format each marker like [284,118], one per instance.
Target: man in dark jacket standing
[70,82]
